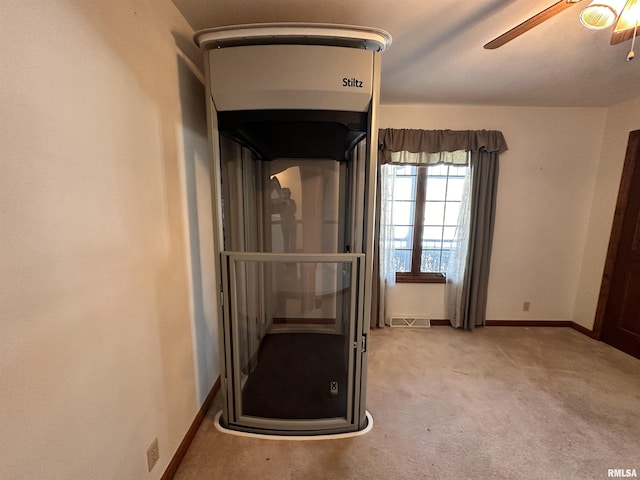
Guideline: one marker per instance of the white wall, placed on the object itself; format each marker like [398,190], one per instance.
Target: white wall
[545,190]
[621,119]
[97,250]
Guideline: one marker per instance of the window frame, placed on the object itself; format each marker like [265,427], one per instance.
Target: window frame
[415,275]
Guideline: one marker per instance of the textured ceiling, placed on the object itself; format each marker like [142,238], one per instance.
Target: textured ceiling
[437,54]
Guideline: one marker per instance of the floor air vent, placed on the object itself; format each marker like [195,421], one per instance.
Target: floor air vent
[415,322]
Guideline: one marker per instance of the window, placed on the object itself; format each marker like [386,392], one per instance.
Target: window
[425,208]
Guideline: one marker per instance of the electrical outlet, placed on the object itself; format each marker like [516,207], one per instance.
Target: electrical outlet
[525,306]
[153,454]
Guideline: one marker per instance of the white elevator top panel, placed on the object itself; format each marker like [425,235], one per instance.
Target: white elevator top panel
[299,33]
[284,76]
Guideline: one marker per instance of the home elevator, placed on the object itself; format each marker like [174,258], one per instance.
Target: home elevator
[292,124]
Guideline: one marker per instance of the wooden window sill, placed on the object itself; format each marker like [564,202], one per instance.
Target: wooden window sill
[403,277]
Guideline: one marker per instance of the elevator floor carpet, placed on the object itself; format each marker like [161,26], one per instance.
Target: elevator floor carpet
[293,376]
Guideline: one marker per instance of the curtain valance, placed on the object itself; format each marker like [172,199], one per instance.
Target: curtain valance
[432,141]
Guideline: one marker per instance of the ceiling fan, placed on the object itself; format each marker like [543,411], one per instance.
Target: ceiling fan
[598,15]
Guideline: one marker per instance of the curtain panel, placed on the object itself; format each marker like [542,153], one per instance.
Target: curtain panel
[467,287]
[467,293]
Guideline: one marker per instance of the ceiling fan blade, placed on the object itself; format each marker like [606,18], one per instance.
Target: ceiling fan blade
[626,23]
[621,37]
[528,24]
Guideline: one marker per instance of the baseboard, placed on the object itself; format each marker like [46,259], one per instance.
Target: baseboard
[540,323]
[583,330]
[175,462]
[440,321]
[528,323]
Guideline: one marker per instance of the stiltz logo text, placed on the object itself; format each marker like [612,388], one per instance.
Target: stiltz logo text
[351,82]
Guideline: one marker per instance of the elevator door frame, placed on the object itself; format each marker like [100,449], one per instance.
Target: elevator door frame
[234,417]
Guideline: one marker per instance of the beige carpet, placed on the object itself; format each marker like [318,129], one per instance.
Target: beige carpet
[495,403]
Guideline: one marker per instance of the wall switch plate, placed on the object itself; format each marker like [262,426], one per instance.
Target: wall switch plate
[153,454]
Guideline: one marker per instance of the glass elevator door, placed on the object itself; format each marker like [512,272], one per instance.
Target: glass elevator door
[293,276]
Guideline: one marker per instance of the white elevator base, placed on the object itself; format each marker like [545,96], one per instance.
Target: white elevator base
[332,436]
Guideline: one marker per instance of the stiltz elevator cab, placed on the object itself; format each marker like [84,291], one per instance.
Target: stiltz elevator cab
[293,137]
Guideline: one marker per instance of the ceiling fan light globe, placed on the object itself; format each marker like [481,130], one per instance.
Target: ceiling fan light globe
[598,16]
